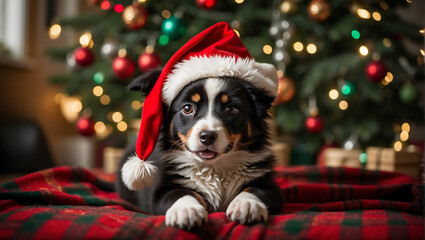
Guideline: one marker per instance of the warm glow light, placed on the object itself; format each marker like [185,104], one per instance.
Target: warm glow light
[311,48]
[142,1]
[298,46]
[98,91]
[405,127]
[422,52]
[376,16]
[386,42]
[389,77]
[383,5]
[343,105]
[55,31]
[99,127]
[122,126]
[267,49]
[122,52]
[333,94]
[398,146]
[363,13]
[404,136]
[70,107]
[105,99]
[59,97]
[422,31]
[237,32]
[166,14]
[239,1]
[363,51]
[136,105]
[116,116]
[85,39]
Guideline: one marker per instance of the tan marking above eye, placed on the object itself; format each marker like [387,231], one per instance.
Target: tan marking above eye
[249,130]
[196,97]
[224,98]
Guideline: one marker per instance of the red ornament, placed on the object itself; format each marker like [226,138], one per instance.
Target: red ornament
[83,56]
[314,124]
[206,4]
[148,61]
[85,126]
[123,67]
[376,71]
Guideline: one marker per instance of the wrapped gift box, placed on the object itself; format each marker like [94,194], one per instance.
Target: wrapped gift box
[387,159]
[339,157]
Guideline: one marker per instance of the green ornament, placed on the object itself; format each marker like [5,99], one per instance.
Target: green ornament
[409,93]
[174,28]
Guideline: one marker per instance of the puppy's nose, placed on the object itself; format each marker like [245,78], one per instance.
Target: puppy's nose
[207,137]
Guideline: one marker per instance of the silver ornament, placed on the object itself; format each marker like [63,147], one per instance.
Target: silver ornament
[109,50]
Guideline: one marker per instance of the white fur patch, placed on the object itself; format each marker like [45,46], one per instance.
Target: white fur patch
[262,75]
[219,182]
[138,174]
[246,208]
[186,213]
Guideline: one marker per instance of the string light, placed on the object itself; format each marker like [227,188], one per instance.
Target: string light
[59,97]
[405,127]
[389,77]
[105,99]
[166,14]
[363,158]
[386,42]
[348,88]
[363,13]
[85,39]
[422,31]
[119,8]
[98,77]
[70,107]
[398,146]
[376,16]
[384,5]
[55,31]
[122,52]
[163,40]
[363,51]
[142,1]
[267,49]
[355,34]
[116,117]
[136,105]
[333,94]
[239,1]
[422,52]
[311,48]
[298,46]
[99,127]
[343,105]
[105,5]
[122,126]
[404,136]
[98,91]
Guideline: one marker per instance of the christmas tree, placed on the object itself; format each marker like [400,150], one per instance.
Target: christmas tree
[345,74]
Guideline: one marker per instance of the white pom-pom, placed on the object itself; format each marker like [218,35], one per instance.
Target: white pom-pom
[138,174]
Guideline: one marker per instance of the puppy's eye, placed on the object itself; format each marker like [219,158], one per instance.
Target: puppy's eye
[187,109]
[231,110]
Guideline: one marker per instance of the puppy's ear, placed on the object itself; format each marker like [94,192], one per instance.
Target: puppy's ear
[262,102]
[146,81]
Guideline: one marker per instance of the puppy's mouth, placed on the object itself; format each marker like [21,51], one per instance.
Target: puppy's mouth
[207,154]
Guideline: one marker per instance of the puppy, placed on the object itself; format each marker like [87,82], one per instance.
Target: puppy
[214,154]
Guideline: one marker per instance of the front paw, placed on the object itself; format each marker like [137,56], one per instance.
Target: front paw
[186,213]
[247,209]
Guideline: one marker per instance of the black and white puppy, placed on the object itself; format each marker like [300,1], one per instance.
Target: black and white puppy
[214,154]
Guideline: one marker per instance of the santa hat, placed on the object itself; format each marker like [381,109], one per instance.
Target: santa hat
[215,52]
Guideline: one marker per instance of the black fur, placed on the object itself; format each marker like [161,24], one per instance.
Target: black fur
[252,107]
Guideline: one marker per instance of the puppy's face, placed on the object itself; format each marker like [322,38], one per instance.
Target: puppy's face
[212,117]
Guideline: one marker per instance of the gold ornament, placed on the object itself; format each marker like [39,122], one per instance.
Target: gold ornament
[319,10]
[135,16]
[288,7]
[285,90]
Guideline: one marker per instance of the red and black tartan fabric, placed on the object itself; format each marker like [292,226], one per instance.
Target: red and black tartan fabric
[320,203]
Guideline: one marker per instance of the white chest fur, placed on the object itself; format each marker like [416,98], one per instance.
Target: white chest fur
[219,182]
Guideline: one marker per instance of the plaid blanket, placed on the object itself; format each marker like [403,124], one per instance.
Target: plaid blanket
[320,203]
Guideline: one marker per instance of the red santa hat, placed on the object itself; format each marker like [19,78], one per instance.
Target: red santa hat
[215,52]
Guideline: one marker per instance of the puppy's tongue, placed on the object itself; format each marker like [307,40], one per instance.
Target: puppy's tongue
[207,154]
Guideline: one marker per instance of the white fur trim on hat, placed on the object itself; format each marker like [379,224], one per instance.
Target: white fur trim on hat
[138,174]
[262,75]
